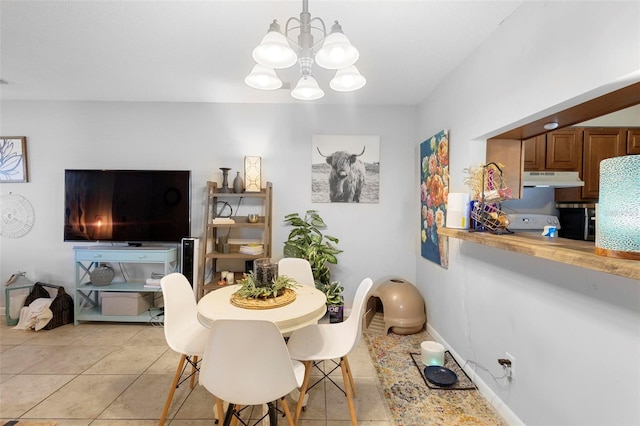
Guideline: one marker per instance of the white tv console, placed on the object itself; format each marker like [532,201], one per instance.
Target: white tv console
[87,296]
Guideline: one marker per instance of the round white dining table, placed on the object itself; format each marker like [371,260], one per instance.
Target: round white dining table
[307,308]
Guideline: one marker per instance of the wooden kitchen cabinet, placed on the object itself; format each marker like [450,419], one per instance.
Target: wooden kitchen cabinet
[535,150]
[560,150]
[599,144]
[633,141]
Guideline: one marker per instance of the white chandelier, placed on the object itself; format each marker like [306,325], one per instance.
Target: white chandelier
[275,52]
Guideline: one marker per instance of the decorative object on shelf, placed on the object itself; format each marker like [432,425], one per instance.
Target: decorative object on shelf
[618,208]
[13,161]
[238,184]
[336,53]
[489,190]
[252,295]
[253,217]
[265,271]
[458,210]
[226,277]
[253,174]
[434,187]
[223,243]
[18,216]
[224,188]
[102,274]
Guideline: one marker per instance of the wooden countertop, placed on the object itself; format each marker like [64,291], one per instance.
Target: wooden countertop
[571,252]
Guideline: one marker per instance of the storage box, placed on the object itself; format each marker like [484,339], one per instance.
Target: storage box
[125,303]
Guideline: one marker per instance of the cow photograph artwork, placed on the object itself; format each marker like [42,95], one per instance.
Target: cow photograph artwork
[345,169]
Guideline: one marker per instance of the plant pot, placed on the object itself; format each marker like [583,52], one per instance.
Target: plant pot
[336,313]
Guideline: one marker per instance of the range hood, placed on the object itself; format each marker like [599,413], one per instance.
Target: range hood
[551,179]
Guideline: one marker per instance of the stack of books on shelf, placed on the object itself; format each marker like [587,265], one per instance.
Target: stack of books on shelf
[222,221]
[154,281]
[253,249]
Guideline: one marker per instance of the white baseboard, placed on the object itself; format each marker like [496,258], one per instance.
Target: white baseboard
[491,397]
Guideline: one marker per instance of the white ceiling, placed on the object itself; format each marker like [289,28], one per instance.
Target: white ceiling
[200,51]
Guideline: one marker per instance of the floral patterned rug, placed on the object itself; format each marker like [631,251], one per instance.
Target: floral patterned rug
[410,401]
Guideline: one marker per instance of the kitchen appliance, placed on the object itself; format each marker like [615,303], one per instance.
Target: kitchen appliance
[551,179]
[532,222]
[578,221]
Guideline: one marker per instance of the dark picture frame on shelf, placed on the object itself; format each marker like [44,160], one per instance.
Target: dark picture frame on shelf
[13,159]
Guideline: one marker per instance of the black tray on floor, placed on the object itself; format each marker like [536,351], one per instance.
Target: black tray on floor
[463,383]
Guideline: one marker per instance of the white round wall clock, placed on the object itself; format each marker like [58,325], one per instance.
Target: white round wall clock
[18,216]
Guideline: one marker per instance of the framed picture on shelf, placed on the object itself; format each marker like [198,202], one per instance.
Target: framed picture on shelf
[13,159]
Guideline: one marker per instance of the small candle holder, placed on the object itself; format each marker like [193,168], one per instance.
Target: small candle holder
[225,180]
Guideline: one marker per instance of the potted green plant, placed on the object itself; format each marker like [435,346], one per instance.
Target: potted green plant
[249,288]
[335,301]
[307,241]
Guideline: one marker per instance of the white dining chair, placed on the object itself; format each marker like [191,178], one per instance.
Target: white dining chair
[324,342]
[246,362]
[183,332]
[296,269]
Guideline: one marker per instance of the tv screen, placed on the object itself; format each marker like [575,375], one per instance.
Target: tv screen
[132,206]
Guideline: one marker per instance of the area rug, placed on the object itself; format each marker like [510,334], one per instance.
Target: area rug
[410,401]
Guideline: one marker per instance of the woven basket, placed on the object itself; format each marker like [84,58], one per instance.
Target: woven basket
[284,299]
[62,305]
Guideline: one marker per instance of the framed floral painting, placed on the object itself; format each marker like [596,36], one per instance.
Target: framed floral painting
[13,159]
[434,190]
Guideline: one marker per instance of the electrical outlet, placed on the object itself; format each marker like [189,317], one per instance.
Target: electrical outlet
[512,368]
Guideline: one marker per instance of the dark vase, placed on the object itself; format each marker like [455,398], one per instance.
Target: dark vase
[238,184]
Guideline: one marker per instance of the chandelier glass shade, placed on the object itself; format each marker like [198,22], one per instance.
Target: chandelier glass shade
[307,89]
[347,79]
[264,78]
[335,52]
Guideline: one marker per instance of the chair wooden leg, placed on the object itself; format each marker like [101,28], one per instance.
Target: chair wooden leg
[167,404]
[353,383]
[287,413]
[348,386]
[220,407]
[308,366]
[192,384]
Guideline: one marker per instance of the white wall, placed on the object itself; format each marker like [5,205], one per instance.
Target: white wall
[376,238]
[575,333]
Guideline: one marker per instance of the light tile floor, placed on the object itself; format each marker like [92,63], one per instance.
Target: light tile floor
[119,374]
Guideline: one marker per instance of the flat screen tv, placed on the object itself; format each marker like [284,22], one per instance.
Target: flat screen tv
[128,206]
